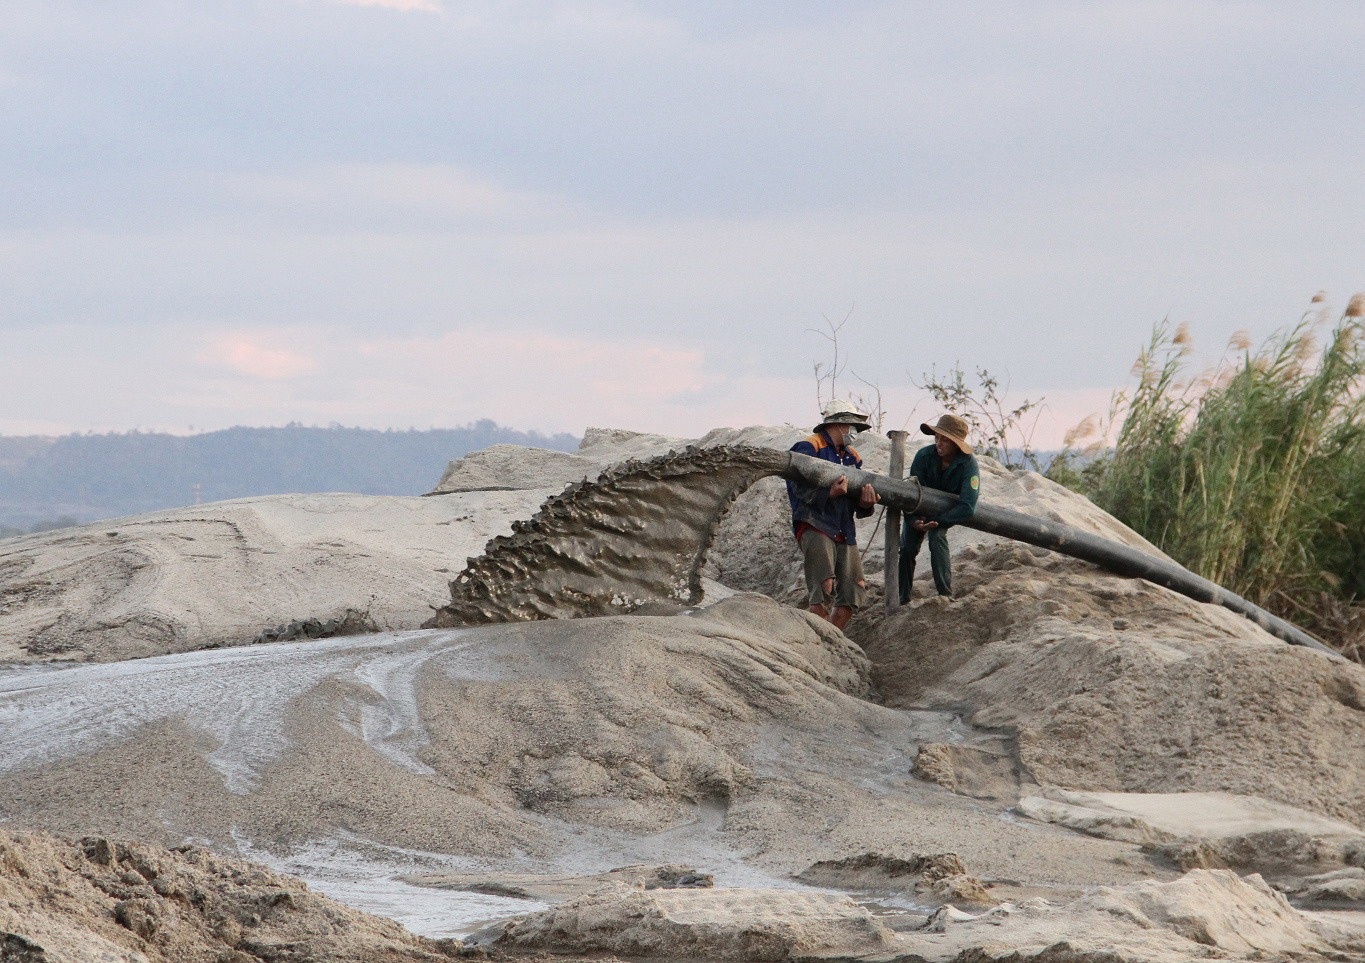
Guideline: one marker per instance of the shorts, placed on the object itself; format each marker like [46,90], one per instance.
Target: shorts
[825,558]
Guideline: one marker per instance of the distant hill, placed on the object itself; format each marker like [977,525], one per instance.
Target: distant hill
[52,482]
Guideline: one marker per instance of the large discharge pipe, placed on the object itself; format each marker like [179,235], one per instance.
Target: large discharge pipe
[912,498]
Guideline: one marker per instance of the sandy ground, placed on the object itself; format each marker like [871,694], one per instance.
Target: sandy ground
[1204,914]
[1053,730]
[220,574]
[115,902]
[1114,685]
[740,729]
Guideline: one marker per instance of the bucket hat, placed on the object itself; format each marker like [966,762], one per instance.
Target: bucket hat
[951,427]
[842,412]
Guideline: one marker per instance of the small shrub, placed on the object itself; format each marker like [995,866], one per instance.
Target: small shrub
[1001,432]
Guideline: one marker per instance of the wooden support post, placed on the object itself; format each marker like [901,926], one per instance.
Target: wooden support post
[891,578]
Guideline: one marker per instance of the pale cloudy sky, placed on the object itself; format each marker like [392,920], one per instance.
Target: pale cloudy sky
[394,213]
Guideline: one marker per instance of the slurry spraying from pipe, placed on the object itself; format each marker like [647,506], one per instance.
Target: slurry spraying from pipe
[638,534]
[641,533]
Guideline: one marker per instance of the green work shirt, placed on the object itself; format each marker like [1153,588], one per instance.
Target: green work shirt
[962,478]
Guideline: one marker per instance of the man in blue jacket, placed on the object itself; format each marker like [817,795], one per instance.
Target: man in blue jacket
[823,518]
[948,466]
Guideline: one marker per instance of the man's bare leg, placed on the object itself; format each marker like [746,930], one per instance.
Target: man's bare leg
[843,614]
[817,609]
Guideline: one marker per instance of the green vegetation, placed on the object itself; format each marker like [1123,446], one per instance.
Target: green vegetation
[1252,473]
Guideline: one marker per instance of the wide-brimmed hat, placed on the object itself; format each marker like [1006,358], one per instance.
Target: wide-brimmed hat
[951,427]
[842,412]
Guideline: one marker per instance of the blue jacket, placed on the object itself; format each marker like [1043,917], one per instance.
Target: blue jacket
[832,516]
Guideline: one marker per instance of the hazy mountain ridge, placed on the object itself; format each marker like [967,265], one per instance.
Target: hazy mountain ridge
[45,482]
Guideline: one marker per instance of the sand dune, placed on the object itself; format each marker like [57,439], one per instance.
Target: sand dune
[1051,731]
[220,574]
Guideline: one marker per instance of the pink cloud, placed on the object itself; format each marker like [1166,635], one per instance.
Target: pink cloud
[556,379]
[248,354]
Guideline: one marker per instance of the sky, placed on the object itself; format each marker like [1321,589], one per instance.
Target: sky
[418,213]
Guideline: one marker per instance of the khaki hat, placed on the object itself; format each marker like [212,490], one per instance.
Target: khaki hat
[840,412]
[951,427]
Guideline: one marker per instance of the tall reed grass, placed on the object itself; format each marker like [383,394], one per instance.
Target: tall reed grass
[1252,473]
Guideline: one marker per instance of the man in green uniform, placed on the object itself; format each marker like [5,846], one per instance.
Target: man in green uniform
[948,466]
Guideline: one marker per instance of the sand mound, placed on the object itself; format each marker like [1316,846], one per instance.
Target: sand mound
[100,900]
[1202,915]
[550,747]
[1116,685]
[616,723]
[1205,914]
[514,468]
[221,574]
[1211,909]
[977,771]
[711,924]
[935,879]
[1345,887]
[1208,830]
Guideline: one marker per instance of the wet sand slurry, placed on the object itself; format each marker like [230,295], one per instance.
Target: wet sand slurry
[638,534]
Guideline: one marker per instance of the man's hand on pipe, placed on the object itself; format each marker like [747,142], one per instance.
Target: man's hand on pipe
[867,496]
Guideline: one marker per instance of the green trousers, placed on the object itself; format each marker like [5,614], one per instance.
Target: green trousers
[939,561]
